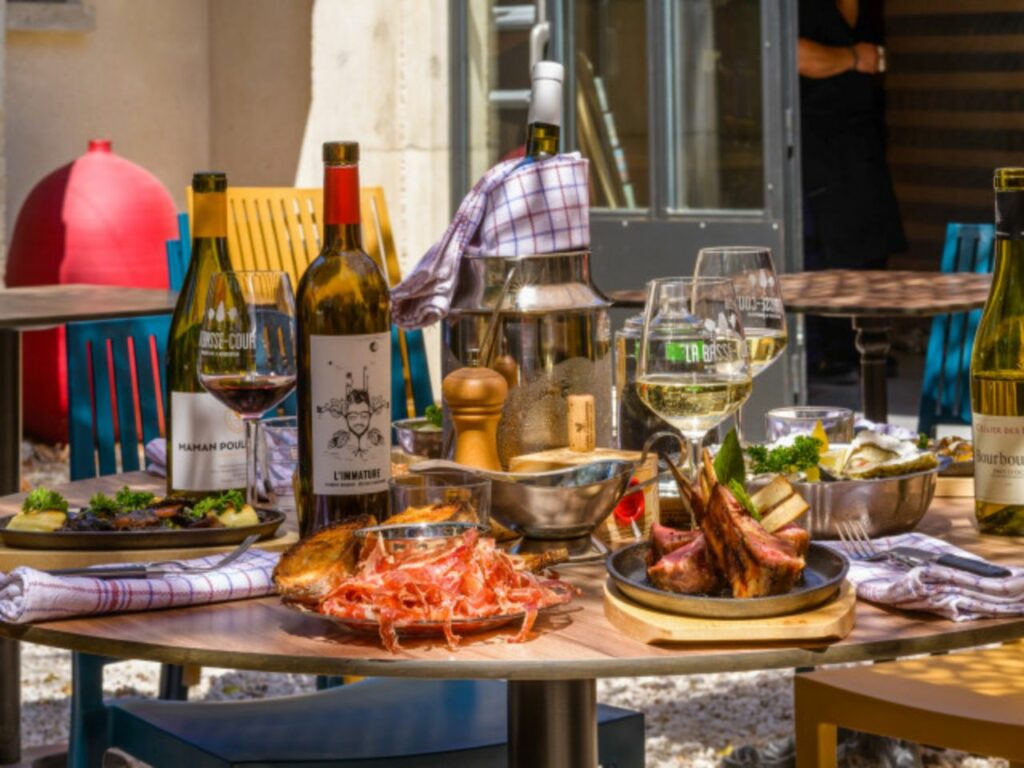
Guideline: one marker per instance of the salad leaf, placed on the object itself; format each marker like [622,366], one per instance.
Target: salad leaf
[744,498]
[100,502]
[922,441]
[804,453]
[216,504]
[433,414]
[127,499]
[43,500]
[729,466]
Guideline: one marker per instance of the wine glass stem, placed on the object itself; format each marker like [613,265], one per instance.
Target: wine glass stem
[251,494]
[738,423]
[695,445]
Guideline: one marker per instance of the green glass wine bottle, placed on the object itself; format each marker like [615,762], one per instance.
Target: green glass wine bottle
[205,438]
[343,312]
[997,372]
[544,119]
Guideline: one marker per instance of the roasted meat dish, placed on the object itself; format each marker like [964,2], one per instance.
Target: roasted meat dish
[687,568]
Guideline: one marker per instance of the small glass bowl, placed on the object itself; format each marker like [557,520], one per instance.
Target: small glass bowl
[417,537]
[800,420]
[425,488]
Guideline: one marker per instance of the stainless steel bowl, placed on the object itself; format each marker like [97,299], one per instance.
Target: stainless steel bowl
[560,504]
[415,440]
[885,506]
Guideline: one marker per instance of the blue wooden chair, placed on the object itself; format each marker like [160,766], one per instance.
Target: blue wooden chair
[946,385]
[116,389]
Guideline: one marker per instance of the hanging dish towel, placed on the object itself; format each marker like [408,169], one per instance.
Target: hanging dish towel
[518,208]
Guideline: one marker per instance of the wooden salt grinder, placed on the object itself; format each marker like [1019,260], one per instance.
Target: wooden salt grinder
[475,397]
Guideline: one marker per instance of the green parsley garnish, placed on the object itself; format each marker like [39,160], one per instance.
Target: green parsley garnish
[44,500]
[433,415]
[804,453]
[100,502]
[127,499]
[217,504]
[922,441]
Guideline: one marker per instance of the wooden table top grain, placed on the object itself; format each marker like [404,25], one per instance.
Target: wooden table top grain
[46,305]
[572,642]
[868,293]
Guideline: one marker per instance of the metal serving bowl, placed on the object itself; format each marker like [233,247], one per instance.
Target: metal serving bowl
[415,440]
[560,504]
[885,506]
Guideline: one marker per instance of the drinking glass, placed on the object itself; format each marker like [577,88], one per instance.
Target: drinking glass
[247,348]
[693,369]
[442,486]
[758,297]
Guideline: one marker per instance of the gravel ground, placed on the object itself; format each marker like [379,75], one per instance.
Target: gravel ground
[692,722]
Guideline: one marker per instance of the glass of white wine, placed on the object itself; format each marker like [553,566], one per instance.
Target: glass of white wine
[758,297]
[693,368]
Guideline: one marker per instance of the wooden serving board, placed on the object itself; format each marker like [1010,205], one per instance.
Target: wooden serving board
[832,621]
[45,559]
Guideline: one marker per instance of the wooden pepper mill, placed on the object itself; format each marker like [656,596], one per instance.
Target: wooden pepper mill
[475,397]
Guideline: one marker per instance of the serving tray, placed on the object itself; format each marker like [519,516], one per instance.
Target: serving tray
[824,573]
[829,622]
[156,538]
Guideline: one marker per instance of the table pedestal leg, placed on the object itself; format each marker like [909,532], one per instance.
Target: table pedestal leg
[10,411]
[552,724]
[10,701]
[10,482]
[873,345]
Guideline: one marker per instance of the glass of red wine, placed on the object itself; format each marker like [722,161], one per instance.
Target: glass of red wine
[247,355]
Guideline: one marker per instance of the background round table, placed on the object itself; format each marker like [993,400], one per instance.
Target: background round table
[871,298]
[552,693]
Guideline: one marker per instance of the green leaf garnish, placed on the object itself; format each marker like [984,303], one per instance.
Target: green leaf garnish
[433,414]
[804,453]
[127,499]
[922,441]
[729,464]
[744,498]
[44,500]
[217,504]
[100,502]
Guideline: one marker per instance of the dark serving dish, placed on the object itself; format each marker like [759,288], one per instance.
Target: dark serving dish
[822,578]
[151,538]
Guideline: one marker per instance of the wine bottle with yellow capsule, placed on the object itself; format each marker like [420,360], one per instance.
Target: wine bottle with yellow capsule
[205,438]
[997,372]
[544,118]
[343,310]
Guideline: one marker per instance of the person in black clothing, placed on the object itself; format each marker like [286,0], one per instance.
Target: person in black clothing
[851,220]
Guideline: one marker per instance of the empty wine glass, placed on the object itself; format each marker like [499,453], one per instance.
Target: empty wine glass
[758,297]
[693,369]
[247,348]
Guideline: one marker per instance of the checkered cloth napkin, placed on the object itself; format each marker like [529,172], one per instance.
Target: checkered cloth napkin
[28,595]
[519,207]
[949,592]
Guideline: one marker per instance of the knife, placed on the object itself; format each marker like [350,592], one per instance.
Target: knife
[111,572]
[978,567]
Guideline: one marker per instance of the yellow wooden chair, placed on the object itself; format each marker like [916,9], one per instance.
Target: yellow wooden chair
[279,228]
[972,702]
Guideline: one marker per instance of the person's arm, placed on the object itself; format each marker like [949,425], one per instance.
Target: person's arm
[816,60]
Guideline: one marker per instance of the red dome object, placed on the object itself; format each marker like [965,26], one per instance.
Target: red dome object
[100,220]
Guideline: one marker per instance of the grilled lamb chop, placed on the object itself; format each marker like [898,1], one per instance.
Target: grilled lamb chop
[687,568]
[665,539]
[754,562]
[795,535]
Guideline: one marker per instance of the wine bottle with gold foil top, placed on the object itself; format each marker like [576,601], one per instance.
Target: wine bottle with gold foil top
[205,438]
[343,309]
[544,119]
[997,372]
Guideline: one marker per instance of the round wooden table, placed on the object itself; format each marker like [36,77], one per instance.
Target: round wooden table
[552,692]
[871,298]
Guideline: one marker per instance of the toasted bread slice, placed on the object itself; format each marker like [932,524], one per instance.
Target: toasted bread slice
[784,513]
[313,568]
[535,562]
[773,494]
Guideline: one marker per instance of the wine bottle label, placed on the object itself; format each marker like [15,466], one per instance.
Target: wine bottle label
[998,458]
[350,386]
[208,444]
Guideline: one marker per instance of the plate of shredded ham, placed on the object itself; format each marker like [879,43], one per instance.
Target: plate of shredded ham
[460,586]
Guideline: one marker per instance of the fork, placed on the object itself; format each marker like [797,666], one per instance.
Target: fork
[158,567]
[859,546]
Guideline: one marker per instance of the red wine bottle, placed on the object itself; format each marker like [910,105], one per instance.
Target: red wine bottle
[343,310]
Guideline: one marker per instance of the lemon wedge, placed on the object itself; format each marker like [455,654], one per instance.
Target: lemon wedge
[818,433]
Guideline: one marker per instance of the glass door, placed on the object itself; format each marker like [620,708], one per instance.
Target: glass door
[685,109]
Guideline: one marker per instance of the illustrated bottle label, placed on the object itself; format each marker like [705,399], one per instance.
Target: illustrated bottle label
[998,458]
[350,386]
[208,444]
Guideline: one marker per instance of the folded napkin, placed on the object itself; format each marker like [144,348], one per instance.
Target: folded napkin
[28,595]
[519,207]
[156,457]
[280,445]
[949,592]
